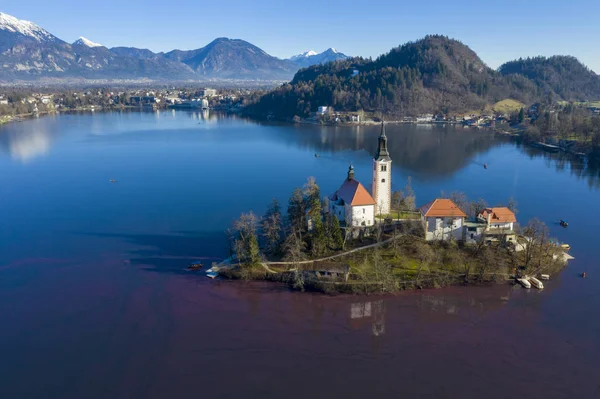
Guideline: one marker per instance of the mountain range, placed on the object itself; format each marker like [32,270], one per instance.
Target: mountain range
[29,52]
[433,74]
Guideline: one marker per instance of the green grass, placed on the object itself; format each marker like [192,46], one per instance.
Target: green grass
[507,106]
[5,119]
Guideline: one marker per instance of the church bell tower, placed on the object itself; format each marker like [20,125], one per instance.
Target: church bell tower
[382,176]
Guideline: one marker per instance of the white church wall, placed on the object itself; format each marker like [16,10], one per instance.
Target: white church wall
[382,186]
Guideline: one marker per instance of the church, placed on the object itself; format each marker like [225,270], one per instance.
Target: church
[352,204]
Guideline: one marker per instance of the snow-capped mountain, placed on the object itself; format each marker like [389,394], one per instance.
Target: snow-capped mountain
[311,57]
[28,52]
[8,23]
[306,54]
[82,41]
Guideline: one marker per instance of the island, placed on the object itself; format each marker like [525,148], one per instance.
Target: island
[356,241]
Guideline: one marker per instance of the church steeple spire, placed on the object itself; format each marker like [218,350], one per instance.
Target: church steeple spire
[382,150]
[351,172]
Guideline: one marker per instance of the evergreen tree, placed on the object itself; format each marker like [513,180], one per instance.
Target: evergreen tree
[334,233]
[318,240]
[245,241]
[271,227]
[521,115]
[297,212]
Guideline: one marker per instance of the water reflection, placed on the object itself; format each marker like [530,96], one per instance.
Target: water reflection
[581,168]
[372,312]
[25,145]
[427,152]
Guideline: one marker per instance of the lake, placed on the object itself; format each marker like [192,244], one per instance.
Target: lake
[95,301]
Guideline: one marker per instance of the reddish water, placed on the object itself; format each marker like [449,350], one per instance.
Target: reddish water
[123,331]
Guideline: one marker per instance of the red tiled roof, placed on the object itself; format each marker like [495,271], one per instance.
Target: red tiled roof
[499,215]
[353,193]
[441,208]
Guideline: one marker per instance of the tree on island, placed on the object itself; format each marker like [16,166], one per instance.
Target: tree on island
[410,199]
[271,228]
[316,237]
[245,241]
[397,202]
[296,213]
[333,232]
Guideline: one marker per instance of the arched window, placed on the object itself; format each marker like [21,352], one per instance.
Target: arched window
[383,180]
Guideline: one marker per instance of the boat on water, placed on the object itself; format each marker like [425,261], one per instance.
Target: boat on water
[195,266]
[566,247]
[544,277]
[563,223]
[524,282]
[536,283]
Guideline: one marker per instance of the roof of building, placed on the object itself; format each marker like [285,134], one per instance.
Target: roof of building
[441,208]
[499,215]
[353,193]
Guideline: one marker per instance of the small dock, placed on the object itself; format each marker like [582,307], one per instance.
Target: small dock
[546,147]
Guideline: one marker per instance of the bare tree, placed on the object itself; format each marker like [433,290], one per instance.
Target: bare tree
[537,248]
[424,255]
[476,207]
[398,201]
[409,198]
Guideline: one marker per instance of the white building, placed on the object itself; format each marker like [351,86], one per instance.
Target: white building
[209,92]
[352,204]
[443,220]
[382,176]
[500,218]
[425,118]
[499,224]
[322,110]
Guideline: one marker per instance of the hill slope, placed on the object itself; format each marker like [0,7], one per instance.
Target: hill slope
[434,74]
[560,77]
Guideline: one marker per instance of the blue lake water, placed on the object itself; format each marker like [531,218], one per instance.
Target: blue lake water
[95,302]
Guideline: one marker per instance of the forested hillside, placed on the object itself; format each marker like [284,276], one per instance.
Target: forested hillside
[432,75]
[560,77]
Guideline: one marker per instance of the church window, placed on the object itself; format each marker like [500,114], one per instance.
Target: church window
[383,180]
[384,168]
[364,211]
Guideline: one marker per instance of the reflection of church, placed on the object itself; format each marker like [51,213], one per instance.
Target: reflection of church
[352,204]
[373,312]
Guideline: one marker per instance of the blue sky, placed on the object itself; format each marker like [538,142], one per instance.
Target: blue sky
[498,31]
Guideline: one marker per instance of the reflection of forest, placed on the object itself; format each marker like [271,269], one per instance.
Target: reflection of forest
[579,167]
[424,150]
